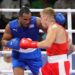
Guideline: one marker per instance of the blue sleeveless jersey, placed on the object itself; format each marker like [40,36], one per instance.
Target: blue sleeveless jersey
[31,31]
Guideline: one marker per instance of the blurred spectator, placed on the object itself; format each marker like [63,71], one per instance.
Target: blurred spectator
[25,2]
[41,3]
[49,3]
[5,63]
[14,16]
[15,4]
[6,4]
[65,4]
[10,4]
[37,3]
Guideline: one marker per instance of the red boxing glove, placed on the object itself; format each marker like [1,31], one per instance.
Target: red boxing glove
[27,43]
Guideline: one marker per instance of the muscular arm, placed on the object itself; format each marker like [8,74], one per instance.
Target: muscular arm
[6,36]
[50,38]
[71,47]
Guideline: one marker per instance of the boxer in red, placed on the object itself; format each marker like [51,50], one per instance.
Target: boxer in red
[56,44]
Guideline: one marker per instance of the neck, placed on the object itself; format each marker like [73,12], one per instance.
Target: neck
[50,22]
[19,22]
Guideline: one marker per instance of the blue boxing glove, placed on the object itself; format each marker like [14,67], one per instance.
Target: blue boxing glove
[13,43]
[60,18]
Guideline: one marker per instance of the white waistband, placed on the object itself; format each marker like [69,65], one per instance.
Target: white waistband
[57,58]
[27,50]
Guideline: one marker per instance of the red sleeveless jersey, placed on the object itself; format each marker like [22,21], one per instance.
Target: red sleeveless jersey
[57,49]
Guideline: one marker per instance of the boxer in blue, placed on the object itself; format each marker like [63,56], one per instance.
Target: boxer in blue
[26,26]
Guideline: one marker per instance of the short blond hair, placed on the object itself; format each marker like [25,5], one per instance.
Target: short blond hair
[48,11]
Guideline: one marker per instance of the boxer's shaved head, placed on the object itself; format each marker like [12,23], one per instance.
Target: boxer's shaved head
[24,16]
[25,10]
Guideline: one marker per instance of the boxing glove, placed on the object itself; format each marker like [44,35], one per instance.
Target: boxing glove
[27,43]
[13,43]
[60,18]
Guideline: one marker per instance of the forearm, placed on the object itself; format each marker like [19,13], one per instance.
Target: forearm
[43,44]
[72,47]
[4,42]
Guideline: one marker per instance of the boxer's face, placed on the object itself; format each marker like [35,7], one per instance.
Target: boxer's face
[25,19]
[43,20]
